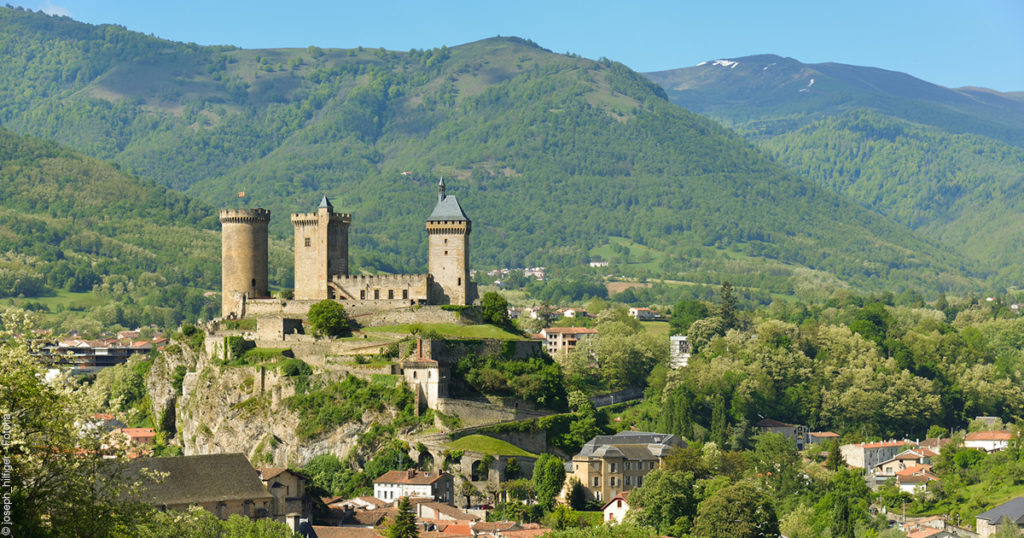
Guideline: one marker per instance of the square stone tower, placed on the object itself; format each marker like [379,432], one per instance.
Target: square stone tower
[321,250]
[448,231]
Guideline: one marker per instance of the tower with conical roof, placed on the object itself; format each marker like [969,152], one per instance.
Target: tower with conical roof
[448,230]
[321,250]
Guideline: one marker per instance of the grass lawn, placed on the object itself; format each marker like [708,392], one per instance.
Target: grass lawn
[449,329]
[488,445]
[660,328]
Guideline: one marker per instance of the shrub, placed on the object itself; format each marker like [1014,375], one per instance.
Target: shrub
[295,367]
[328,318]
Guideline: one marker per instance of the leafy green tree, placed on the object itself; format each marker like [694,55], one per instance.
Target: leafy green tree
[495,309]
[328,318]
[685,313]
[548,477]
[512,470]
[777,462]
[738,511]
[577,497]
[833,459]
[718,425]
[404,523]
[563,517]
[665,502]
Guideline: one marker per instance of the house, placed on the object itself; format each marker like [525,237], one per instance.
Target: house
[868,455]
[793,432]
[442,512]
[413,483]
[934,444]
[915,479]
[643,314]
[989,441]
[564,339]
[904,460]
[139,436]
[615,509]
[289,491]
[223,484]
[990,522]
[571,313]
[610,464]
[814,438]
[679,351]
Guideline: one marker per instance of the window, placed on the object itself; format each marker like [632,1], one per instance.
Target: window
[362,295]
[629,482]
[446,240]
[308,242]
[650,465]
[414,375]
[618,504]
[391,294]
[459,281]
[376,294]
[639,481]
[405,294]
[627,465]
[611,467]
[611,481]
[428,374]
[446,253]
[596,482]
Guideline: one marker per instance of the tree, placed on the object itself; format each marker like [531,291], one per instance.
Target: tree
[512,470]
[328,318]
[404,523]
[834,459]
[738,511]
[777,462]
[468,490]
[62,484]
[665,502]
[685,313]
[577,497]
[548,477]
[727,306]
[718,426]
[495,309]
[563,517]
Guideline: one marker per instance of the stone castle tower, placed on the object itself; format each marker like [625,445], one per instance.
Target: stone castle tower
[448,230]
[321,250]
[243,258]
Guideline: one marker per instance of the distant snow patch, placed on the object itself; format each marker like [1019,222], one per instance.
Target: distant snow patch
[808,88]
[726,63]
[811,83]
[702,63]
[765,68]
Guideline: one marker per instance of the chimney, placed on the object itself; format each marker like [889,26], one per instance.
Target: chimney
[410,473]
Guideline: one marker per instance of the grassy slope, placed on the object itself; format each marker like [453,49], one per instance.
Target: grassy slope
[449,330]
[488,445]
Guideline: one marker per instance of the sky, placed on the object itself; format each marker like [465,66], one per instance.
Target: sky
[951,43]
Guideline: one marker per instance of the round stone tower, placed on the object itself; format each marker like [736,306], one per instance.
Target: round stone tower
[244,262]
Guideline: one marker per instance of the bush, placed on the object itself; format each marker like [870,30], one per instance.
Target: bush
[328,318]
[295,367]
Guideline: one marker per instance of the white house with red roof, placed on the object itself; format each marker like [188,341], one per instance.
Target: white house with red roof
[904,460]
[869,455]
[989,441]
[615,509]
[643,314]
[414,483]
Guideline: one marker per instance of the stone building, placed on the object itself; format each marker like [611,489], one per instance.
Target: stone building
[608,465]
[243,258]
[322,260]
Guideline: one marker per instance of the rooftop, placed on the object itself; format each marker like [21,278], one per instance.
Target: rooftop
[411,476]
[199,479]
[632,445]
[1013,509]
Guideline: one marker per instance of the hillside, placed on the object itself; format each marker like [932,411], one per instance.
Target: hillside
[946,163]
[70,222]
[552,156]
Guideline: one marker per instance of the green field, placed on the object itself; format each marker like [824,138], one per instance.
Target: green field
[660,328]
[448,329]
[488,445]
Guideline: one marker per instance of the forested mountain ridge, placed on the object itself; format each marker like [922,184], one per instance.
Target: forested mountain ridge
[70,222]
[552,155]
[947,163]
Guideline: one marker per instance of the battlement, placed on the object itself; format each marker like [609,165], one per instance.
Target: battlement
[244,215]
[312,219]
[375,278]
[435,227]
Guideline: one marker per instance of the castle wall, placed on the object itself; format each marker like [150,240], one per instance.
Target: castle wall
[448,253]
[381,290]
[244,257]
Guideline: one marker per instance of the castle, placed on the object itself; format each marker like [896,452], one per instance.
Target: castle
[322,260]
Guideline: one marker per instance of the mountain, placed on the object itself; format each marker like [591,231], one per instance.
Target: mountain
[768,94]
[947,163]
[71,223]
[552,156]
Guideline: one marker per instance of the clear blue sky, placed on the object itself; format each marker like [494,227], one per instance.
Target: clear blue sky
[949,42]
